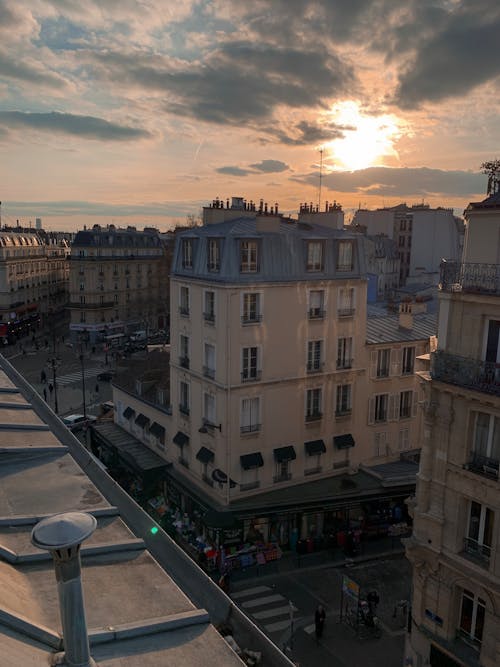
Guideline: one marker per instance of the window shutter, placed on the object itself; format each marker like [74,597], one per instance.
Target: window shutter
[393,412]
[373,363]
[395,362]
[414,407]
[371,410]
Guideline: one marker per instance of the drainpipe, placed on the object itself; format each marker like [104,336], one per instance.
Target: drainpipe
[62,535]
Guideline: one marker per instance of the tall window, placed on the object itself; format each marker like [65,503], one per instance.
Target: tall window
[250,308]
[209,409]
[487,437]
[405,404]
[209,306]
[343,404]
[314,256]
[408,360]
[316,304]
[492,343]
[249,364]
[380,444]
[313,404]
[184,301]
[344,353]
[184,351]
[209,361]
[213,259]
[250,415]
[187,253]
[480,530]
[378,408]
[472,613]
[184,398]
[383,362]
[404,439]
[314,355]
[345,304]
[248,256]
[344,256]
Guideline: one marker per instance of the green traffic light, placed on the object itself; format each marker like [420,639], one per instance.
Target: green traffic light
[154,530]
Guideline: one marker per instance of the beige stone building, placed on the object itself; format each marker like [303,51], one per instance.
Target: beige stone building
[118,282]
[33,281]
[455,615]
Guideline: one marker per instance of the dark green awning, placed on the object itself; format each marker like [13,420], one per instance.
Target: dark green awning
[249,461]
[128,412]
[287,453]
[157,430]
[180,439]
[315,447]
[343,441]
[205,455]
[141,420]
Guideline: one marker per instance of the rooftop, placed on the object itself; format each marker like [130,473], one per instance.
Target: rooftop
[386,328]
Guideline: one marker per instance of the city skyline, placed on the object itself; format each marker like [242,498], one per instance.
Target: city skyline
[140,113]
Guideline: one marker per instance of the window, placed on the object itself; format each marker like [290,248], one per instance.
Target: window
[402,225]
[250,415]
[344,257]
[209,409]
[316,304]
[248,256]
[405,404]
[401,241]
[487,438]
[249,364]
[209,307]
[378,408]
[314,256]
[314,355]
[82,300]
[213,255]
[343,405]
[408,360]
[313,404]
[480,530]
[209,361]
[282,471]
[345,304]
[250,308]
[184,351]
[82,287]
[184,302]
[187,254]
[383,363]
[404,439]
[380,444]
[472,613]
[184,398]
[344,353]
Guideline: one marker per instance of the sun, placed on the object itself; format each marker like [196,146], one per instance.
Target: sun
[370,140]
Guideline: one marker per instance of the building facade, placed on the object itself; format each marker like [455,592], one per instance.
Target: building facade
[118,282]
[455,618]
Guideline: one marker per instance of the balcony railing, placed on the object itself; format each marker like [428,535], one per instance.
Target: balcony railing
[469,277]
[250,485]
[314,416]
[344,364]
[286,477]
[316,313]
[315,367]
[184,311]
[184,409]
[91,304]
[482,376]
[184,362]
[250,376]
[313,471]
[474,548]
[209,372]
[251,318]
[483,465]
[343,412]
[345,312]
[209,317]
[250,428]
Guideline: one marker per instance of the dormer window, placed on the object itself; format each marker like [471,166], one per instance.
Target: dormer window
[344,257]
[213,256]
[248,256]
[314,256]
[187,254]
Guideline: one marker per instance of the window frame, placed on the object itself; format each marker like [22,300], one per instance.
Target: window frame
[213,255]
[345,252]
[249,256]
[314,403]
[315,256]
[187,253]
[254,414]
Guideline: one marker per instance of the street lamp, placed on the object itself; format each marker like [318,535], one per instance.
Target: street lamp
[54,382]
[83,388]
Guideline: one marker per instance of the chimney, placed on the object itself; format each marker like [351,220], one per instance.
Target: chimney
[406,315]
[62,535]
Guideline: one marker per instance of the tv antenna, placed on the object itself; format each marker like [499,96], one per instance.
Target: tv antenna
[320,176]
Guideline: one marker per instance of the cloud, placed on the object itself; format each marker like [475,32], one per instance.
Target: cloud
[270,166]
[234,171]
[87,127]
[29,72]
[406,182]
[79,208]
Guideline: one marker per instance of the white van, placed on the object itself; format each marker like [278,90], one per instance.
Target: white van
[76,422]
[139,336]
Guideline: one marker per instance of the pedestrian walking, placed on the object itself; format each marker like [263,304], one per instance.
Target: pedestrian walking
[43,376]
[45,394]
[51,388]
[97,389]
[319,621]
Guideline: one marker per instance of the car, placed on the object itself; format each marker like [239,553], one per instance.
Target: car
[77,422]
[105,376]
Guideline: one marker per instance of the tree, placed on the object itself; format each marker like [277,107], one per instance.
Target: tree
[492,169]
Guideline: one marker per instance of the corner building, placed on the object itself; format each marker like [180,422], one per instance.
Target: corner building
[455,619]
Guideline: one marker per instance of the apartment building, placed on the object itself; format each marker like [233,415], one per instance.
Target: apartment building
[118,282]
[455,617]
[424,235]
[33,281]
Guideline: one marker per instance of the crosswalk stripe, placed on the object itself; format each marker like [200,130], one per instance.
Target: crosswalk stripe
[77,376]
[246,592]
[280,625]
[275,611]
[260,602]
[310,628]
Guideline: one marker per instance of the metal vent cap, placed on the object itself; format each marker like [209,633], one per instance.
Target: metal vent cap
[62,531]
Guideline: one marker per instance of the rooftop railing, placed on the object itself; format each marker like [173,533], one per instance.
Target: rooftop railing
[471,277]
[482,376]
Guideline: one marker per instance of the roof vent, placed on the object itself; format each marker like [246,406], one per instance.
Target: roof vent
[62,535]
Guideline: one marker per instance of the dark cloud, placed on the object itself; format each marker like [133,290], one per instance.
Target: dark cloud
[305,132]
[415,182]
[15,68]
[270,166]
[234,171]
[16,209]
[88,127]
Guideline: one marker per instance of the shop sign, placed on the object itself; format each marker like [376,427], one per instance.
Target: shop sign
[350,588]
[233,536]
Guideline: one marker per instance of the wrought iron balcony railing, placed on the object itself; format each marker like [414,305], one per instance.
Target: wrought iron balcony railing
[472,277]
[482,376]
[477,549]
[483,465]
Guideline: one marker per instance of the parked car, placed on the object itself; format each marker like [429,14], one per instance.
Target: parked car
[105,376]
[77,422]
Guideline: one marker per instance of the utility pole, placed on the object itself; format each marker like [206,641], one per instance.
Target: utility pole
[83,387]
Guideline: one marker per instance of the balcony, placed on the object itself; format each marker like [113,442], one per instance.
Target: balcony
[249,428]
[209,317]
[184,311]
[484,466]
[343,412]
[344,364]
[184,409]
[316,313]
[184,362]
[345,312]
[478,553]
[314,416]
[209,372]
[481,376]
[315,367]
[91,304]
[286,477]
[251,318]
[250,376]
[471,278]
[313,471]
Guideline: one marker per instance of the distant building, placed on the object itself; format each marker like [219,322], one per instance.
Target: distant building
[382,263]
[118,282]
[424,236]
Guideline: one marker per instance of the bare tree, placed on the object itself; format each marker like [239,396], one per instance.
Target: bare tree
[492,169]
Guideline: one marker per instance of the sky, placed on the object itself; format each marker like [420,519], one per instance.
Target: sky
[141,112]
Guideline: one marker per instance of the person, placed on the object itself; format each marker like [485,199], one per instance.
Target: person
[43,376]
[97,389]
[45,393]
[51,388]
[224,582]
[319,621]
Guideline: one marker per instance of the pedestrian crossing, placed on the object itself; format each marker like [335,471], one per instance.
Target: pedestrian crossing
[269,609]
[73,378]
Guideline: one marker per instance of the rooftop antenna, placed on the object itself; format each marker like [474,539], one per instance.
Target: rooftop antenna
[320,176]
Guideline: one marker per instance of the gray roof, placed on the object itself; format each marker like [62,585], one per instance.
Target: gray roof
[110,237]
[136,612]
[282,251]
[394,473]
[386,329]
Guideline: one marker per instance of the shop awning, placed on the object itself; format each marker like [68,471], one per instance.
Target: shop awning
[141,420]
[128,412]
[249,461]
[157,430]
[315,447]
[287,453]
[343,441]
[205,455]
[180,439]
